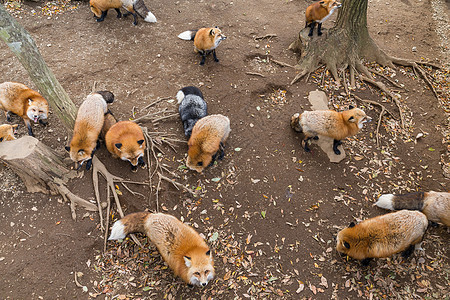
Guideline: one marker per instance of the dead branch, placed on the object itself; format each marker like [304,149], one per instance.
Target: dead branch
[425,63]
[282,63]
[270,35]
[383,88]
[387,78]
[157,101]
[254,74]
[99,167]
[383,109]
[177,185]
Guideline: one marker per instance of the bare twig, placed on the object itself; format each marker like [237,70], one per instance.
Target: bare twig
[164,117]
[425,63]
[281,63]
[177,185]
[345,83]
[270,35]
[254,74]
[157,101]
[387,78]
[383,88]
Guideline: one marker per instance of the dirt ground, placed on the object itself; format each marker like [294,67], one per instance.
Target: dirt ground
[269,210]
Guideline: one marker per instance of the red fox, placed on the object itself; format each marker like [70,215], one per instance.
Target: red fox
[435,205]
[207,140]
[206,40]
[181,247]
[7,132]
[337,125]
[28,104]
[125,140]
[133,7]
[383,236]
[319,12]
[88,125]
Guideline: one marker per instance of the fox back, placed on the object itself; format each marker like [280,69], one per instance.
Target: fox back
[192,107]
[435,205]
[88,125]
[7,132]
[126,141]
[181,247]
[208,133]
[382,236]
[337,125]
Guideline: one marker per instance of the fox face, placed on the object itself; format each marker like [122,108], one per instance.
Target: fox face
[218,36]
[200,161]
[356,115]
[80,157]
[343,242]
[330,4]
[133,153]
[37,110]
[200,267]
[7,132]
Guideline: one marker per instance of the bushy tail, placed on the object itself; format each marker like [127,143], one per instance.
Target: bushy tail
[107,95]
[143,12]
[130,223]
[295,123]
[412,201]
[188,90]
[188,35]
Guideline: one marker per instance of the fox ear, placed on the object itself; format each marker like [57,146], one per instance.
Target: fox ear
[187,261]
[346,245]
[322,2]
[67,148]
[208,253]
[352,119]
[211,32]
[1,140]
[352,224]
[351,107]
[81,151]
[30,101]
[118,145]
[140,142]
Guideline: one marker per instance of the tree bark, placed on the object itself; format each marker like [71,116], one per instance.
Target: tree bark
[41,169]
[22,45]
[342,46]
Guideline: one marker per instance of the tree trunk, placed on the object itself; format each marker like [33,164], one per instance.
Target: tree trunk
[41,169]
[342,46]
[22,45]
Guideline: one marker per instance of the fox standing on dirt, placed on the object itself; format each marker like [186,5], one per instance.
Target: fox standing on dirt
[181,247]
[135,7]
[435,205]
[206,40]
[337,125]
[126,141]
[7,132]
[207,141]
[88,125]
[192,107]
[383,236]
[28,104]
[319,12]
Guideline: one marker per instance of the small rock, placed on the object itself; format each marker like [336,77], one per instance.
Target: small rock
[414,49]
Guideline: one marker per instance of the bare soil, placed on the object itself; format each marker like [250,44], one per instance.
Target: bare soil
[269,210]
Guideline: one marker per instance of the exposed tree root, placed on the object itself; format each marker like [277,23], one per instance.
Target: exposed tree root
[99,167]
[267,36]
[281,63]
[387,78]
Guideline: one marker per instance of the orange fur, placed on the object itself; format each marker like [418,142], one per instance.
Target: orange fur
[88,125]
[24,102]
[319,10]
[126,141]
[109,121]
[205,39]
[205,140]
[382,236]
[181,247]
[97,6]
[7,132]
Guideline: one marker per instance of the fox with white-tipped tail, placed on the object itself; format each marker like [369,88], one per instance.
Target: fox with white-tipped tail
[134,7]
[206,40]
[183,249]
[435,205]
